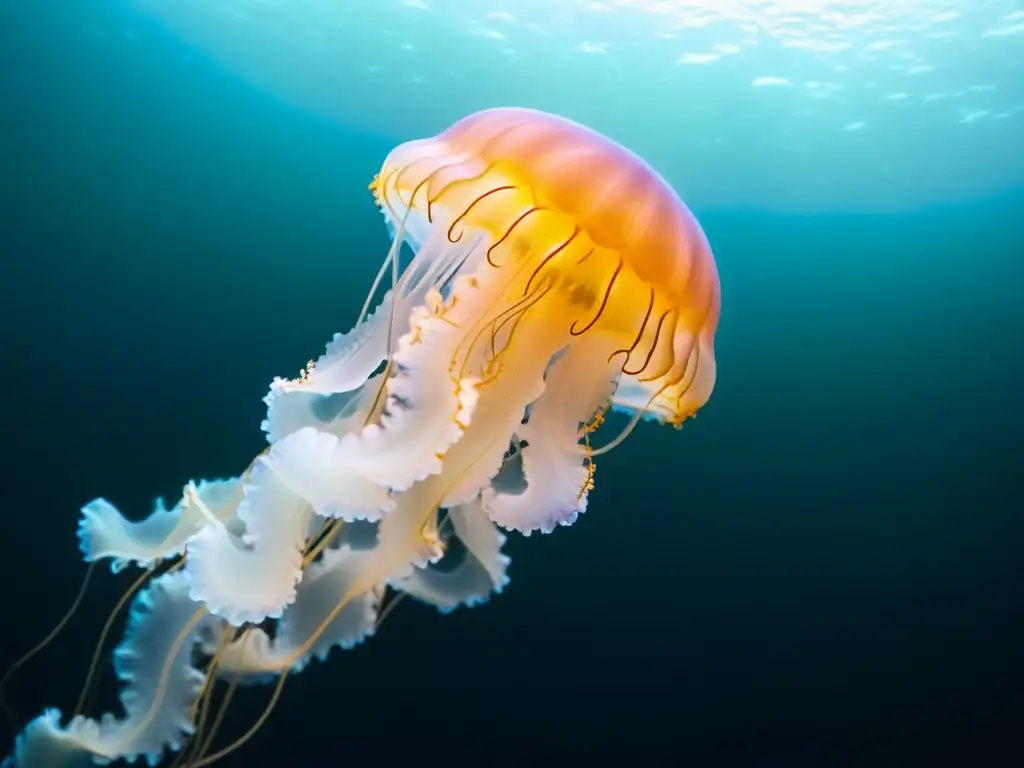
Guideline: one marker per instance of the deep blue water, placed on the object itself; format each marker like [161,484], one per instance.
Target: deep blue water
[822,568]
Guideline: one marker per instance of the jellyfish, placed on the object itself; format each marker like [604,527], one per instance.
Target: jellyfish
[540,276]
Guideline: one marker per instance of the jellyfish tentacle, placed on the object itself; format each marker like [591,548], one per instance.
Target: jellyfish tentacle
[551,256]
[495,363]
[601,307]
[401,548]
[469,208]
[392,255]
[511,227]
[482,573]
[460,179]
[427,412]
[429,152]
[471,288]
[249,659]
[628,351]
[251,577]
[328,578]
[260,658]
[241,740]
[154,662]
[555,467]
[655,346]
[57,629]
[311,463]
[349,360]
[94,662]
[201,706]
[205,740]
[103,532]
[648,409]
[44,742]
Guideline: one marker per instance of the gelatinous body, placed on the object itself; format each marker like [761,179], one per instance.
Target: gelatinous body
[554,276]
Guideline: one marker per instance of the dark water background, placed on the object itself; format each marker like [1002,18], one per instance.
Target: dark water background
[821,569]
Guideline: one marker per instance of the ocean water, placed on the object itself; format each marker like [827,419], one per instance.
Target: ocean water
[822,568]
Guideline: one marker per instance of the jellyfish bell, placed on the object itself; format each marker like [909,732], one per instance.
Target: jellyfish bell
[588,282]
[587,222]
[554,276]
